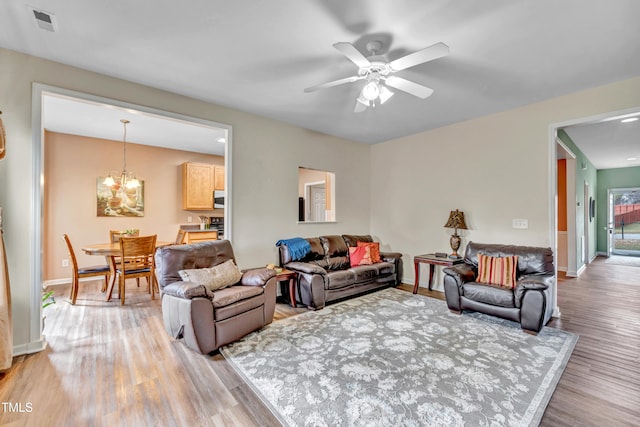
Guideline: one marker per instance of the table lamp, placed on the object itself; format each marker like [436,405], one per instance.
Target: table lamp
[455,221]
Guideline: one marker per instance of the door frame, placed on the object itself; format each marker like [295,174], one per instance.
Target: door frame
[307,197]
[553,181]
[611,217]
[571,207]
[586,235]
[38,92]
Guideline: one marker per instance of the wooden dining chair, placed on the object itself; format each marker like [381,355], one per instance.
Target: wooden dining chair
[78,273]
[114,237]
[180,237]
[136,260]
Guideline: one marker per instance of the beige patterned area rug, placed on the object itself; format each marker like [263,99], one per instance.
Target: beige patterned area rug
[392,358]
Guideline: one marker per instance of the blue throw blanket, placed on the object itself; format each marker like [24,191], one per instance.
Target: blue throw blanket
[298,247]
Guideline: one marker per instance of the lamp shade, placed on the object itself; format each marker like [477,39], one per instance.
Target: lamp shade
[456,220]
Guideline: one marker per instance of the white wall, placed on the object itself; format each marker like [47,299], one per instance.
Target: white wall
[495,168]
[266,156]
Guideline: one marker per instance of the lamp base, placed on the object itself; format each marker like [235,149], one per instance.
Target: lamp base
[455,245]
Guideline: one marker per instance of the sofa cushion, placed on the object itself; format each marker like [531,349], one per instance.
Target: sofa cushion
[236,302]
[213,278]
[173,258]
[317,251]
[531,260]
[339,279]
[374,248]
[359,255]
[233,294]
[336,252]
[353,239]
[385,268]
[499,271]
[364,273]
[488,294]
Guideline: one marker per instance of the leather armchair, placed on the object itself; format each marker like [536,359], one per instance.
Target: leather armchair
[529,303]
[204,319]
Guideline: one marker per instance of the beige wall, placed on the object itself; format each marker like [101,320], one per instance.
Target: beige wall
[494,168]
[265,159]
[72,164]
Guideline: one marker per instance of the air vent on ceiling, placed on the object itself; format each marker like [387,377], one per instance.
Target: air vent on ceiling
[44,20]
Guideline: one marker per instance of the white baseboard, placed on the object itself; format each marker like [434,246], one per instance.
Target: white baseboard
[67,281]
[580,270]
[562,268]
[56,282]
[28,348]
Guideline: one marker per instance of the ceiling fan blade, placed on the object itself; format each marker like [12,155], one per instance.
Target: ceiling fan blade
[427,54]
[350,51]
[359,108]
[333,83]
[408,86]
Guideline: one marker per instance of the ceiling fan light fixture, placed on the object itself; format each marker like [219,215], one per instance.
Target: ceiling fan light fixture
[363,101]
[371,91]
[385,94]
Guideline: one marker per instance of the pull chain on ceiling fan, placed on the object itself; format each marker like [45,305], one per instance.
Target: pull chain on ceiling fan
[378,73]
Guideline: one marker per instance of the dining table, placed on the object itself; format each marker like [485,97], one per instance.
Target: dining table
[111,251]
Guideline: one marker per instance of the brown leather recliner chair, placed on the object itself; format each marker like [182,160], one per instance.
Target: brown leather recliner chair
[207,320]
[529,303]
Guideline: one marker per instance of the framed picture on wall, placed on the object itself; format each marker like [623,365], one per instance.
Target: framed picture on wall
[117,201]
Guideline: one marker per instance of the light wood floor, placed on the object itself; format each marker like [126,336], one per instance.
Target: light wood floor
[111,365]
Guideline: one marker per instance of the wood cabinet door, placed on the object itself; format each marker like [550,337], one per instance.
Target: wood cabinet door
[197,186]
[218,181]
[201,236]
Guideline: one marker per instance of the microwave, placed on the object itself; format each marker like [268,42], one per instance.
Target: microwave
[218,199]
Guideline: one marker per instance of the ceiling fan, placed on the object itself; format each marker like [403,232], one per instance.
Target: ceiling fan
[378,73]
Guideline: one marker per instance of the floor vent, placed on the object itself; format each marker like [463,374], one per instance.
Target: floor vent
[44,20]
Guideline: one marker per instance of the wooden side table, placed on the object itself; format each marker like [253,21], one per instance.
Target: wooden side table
[292,278]
[432,260]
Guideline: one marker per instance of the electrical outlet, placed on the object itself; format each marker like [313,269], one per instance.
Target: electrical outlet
[65,263]
[520,223]
[189,219]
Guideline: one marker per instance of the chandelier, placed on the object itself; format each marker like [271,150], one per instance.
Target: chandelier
[122,180]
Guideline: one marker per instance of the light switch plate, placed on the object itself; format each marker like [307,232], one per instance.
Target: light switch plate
[520,223]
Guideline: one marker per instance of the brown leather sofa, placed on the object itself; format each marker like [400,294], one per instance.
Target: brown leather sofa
[207,320]
[325,273]
[529,303]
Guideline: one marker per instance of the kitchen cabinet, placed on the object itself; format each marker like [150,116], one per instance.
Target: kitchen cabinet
[197,186]
[218,180]
[200,236]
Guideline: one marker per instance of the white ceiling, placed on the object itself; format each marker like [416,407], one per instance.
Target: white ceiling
[609,143]
[79,117]
[258,56]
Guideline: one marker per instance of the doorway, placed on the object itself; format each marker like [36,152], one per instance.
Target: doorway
[39,94]
[624,222]
[316,195]
[566,210]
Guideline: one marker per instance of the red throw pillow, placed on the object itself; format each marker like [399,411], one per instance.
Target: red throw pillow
[360,255]
[499,271]
[374,248]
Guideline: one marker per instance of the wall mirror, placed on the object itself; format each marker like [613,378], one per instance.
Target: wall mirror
[316,195]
